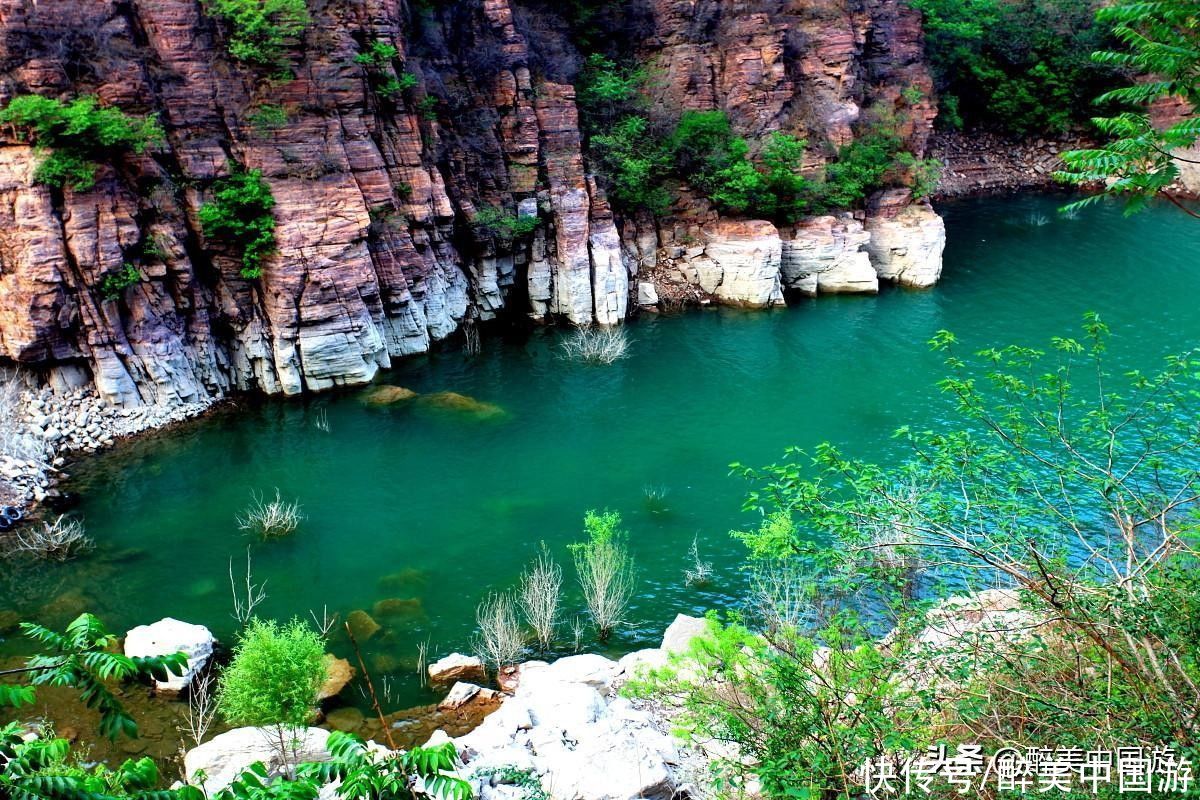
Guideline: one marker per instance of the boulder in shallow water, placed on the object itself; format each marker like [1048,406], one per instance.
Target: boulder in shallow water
[387,395]
[169,636]
[362,625]
[462,694]
[403,607]
[457,667]
[461,403]
[338,673]
[347,720]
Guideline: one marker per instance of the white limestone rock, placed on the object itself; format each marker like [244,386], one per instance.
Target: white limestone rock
[748,254]
[457,667]
[826,255]
[906,242]
[169,636]
[226,756]
[680,633]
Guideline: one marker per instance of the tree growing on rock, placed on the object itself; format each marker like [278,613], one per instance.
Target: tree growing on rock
[273,680]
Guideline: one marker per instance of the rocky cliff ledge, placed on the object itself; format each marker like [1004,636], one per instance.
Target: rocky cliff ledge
[377,254]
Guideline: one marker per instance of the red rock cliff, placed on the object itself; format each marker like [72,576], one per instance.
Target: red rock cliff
[376,258]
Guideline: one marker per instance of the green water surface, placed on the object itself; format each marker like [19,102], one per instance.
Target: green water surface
[416,502]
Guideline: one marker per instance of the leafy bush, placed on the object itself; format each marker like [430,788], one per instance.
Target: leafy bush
[504,226]
[634,163]
[267,117]
[81,657]
[261,30]
[239,214]
[377,61]
[76,136]
[114,284]
[1020,67]
[273,680]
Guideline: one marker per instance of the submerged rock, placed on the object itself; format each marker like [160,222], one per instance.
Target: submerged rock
[461,403]
[169,636]
[362,625]
[407,578]
[347,720]
[457,667]
[405,607]
[387,395]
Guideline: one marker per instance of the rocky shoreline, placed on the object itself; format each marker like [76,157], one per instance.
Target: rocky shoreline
[49,425]
[985,163]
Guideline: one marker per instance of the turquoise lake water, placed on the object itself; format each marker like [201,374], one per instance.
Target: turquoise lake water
[415,502]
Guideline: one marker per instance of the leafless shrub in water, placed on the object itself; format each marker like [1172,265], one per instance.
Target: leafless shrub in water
[325,622]
[247,599]
[539,596]
[700,572]
[321,422]
[202,708]
[500,641]
[270,518]
[59,540]
[596,345]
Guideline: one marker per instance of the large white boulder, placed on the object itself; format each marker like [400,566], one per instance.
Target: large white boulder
[169,636]
[680,633]
[457,667]
[223,758]
[906,241]
[580,744]
[746,254]
[826,255]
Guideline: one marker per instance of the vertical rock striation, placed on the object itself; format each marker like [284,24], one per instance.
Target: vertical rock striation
[381,248]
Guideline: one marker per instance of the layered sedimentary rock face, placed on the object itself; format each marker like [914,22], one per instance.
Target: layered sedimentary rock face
[376,193]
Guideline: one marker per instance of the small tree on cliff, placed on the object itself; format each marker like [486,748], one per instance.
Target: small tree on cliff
[260,31]
[240,213]
[1140,161]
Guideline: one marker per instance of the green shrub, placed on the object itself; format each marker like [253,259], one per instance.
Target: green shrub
[504,226]
[377,61]
[634,163]
[76,136]
[378,54]
[267,117]
[427,107]
[606,92]
[261,30]
[239,213]
[275,675]
[115,283]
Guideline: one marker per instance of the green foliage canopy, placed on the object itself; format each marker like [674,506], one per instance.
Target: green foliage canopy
[1015,66]
[260,31]
[75,136]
